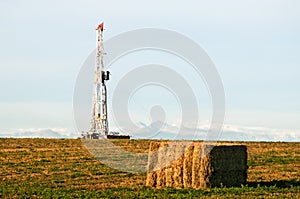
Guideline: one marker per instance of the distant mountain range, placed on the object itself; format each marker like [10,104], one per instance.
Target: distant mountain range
[229,133]
[159,130]
[38,133]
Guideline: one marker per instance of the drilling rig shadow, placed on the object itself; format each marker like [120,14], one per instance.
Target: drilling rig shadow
[116,157]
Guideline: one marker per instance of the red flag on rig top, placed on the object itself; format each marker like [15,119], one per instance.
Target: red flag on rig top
[100,26]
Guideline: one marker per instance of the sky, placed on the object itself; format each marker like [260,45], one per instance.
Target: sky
[254,44]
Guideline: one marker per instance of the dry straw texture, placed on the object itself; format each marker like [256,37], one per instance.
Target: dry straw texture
[161,172]
[178,165]
[152,162]
[169,171]
[184,165]
[188,166]
[196,165]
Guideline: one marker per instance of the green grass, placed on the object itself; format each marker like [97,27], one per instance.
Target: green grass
[58,190]
[63,168]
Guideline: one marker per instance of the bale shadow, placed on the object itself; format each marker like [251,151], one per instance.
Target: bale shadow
[277,183]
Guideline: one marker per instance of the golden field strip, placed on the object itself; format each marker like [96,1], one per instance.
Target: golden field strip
[63,168]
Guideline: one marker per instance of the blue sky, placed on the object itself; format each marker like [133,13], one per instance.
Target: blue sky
[254,44]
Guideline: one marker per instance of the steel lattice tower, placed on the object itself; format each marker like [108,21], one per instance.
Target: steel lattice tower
[99,123]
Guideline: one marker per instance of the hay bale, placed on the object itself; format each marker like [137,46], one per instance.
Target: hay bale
[152,162]
[178,165]
[205,168]
[182,165]
[169,171]
[174,163]
[228,178]
[196,165]
[169,176]
[161,165]
[188,166]
[227,158]
[223,166]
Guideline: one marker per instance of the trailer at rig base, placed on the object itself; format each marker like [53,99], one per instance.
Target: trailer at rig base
[99,122]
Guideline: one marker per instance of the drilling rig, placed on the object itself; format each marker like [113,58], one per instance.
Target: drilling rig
[99,121]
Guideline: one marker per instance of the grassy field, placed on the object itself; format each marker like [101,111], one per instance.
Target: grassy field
[63,168]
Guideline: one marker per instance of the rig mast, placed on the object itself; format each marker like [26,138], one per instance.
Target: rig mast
[99,123]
